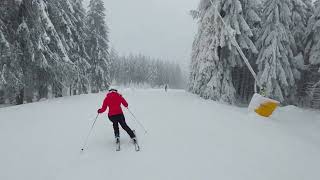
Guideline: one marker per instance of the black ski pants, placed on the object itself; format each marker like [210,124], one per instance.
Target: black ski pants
[119,119]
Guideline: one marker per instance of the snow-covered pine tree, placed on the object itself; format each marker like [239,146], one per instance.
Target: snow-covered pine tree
[152,74]
[97,46]
[122,71]
[313,37]
[143,70]
[312,55]
[9,81]
[242,78]
[213,56]
[276,63]
[4,59]
[53,68]
[179,81]
[68,17]
[301,12]
[114,60]
[26,60]
[4,49]
[10,70]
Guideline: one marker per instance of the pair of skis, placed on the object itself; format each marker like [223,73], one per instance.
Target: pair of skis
[135,143]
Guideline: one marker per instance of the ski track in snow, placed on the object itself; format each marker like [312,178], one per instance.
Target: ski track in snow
[188,139]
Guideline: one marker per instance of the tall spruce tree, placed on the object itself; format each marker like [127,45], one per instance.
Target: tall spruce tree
[27,60]
[313,37]
[97,46]
[10,72]
[11,86]
[312,55]
[43,49]
[114,58]
[301,12]
[276,63]
[214,56]
[68,17]
[242,78]
[52,66]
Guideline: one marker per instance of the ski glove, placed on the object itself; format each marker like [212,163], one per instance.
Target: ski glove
[100,111]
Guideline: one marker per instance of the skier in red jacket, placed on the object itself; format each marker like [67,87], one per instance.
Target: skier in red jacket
[114,100]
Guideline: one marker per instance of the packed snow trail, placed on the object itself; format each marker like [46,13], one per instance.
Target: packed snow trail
[188,139]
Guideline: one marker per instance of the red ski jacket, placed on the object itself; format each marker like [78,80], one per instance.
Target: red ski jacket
[113,100]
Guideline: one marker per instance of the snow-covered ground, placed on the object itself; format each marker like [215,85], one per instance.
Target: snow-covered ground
[188,139]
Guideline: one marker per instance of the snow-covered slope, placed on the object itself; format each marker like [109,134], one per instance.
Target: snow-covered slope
[188,139]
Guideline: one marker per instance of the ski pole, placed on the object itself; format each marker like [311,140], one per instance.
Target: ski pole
[134,117]
[86,141]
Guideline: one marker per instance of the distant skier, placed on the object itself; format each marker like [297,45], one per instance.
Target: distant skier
[114,100]
[166,87]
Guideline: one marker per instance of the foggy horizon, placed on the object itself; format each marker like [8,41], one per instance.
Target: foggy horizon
[161,29]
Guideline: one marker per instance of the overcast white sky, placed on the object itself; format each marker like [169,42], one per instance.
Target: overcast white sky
[158,28]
